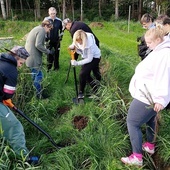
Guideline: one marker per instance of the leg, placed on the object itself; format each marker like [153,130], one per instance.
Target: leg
[50,58]
[13,130]
[138,114]
[94,66]
[83,78]
[37,77]
[56,57]
[96,71]
[150,129]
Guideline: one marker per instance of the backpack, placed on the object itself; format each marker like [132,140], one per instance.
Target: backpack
[143,50]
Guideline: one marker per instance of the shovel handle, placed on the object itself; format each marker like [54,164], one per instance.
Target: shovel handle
[72,52]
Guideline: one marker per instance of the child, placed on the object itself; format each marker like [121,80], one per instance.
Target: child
[151,75]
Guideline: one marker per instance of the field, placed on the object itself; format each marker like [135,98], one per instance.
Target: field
[100,139]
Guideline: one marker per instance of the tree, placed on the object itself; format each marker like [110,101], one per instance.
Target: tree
[3,9]
[37,9]
[116,9]
[81,16]
[100,3]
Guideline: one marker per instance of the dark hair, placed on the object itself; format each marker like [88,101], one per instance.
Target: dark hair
[160,18]
[146,18]
[46,23]
[166,21]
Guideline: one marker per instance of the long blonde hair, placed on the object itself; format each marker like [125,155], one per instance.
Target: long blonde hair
[155,33]
[80,35]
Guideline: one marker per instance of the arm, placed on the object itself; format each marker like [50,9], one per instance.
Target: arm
[39,43]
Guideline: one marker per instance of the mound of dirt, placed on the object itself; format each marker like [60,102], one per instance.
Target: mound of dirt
[80,122]
[96,24]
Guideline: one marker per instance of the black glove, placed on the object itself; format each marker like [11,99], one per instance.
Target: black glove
[52,51]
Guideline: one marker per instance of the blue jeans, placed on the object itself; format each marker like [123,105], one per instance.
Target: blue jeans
[37,77]
[139,114]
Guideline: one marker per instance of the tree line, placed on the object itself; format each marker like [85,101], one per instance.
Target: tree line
[83,9]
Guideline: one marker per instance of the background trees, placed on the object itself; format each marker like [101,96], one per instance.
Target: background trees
[83,10]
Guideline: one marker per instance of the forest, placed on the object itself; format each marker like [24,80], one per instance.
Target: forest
[92,10]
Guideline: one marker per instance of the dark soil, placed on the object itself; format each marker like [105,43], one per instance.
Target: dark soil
[63,110]
[80,122]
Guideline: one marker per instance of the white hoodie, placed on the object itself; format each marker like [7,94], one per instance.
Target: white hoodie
[154,72]
[89,52]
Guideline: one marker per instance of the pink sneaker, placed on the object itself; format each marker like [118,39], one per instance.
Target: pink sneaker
[132,160]
[149,147]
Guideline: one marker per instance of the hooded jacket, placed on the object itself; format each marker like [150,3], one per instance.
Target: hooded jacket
[8,76]
[153,75]
[88,52]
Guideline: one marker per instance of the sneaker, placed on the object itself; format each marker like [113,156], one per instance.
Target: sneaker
[148,147]
[132,160]
[33,160]
[80,96]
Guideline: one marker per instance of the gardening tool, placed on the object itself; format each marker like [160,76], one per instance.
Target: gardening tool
[11,105]
[76,100]
[38,127]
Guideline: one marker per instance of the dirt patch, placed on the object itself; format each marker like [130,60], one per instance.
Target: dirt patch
[80,122]
[96,24]
[63,110]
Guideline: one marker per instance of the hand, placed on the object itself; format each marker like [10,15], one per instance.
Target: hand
[158,107]
[74,63]
[71,47]
[52,51]
[8,103]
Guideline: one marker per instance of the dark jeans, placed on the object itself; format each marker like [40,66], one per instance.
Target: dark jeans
[53,59]
[139,114]
[96,71]
[85,76]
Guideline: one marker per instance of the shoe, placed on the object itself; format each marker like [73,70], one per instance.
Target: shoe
[33,160]
[132,160]
[148,147]
[41,96]
[80,95]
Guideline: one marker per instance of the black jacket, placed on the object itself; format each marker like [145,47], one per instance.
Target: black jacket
[77,25]
[57,29]
[8,76]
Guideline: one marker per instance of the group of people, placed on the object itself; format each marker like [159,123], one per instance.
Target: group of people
[51,31]
[85,43]
[149,88]
[149,85]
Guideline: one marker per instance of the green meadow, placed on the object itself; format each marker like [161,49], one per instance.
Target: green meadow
[103,140]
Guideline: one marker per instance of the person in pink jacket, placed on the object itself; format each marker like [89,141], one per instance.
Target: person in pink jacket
[150,89]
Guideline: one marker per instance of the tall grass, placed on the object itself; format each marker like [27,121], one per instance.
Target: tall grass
[101,144]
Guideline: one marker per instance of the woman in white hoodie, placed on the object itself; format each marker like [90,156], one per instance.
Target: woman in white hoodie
[85,45]
[150,89]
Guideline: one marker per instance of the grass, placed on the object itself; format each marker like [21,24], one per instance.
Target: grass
[105,140]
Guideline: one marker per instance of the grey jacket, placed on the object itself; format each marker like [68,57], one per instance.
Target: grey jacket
[35,47]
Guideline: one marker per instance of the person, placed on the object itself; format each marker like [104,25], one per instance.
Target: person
[150,90]
[159,19]
[54,37]
[166,25]
[11,128]
[72,27]
[147,22]
[35,47]
[84,44]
